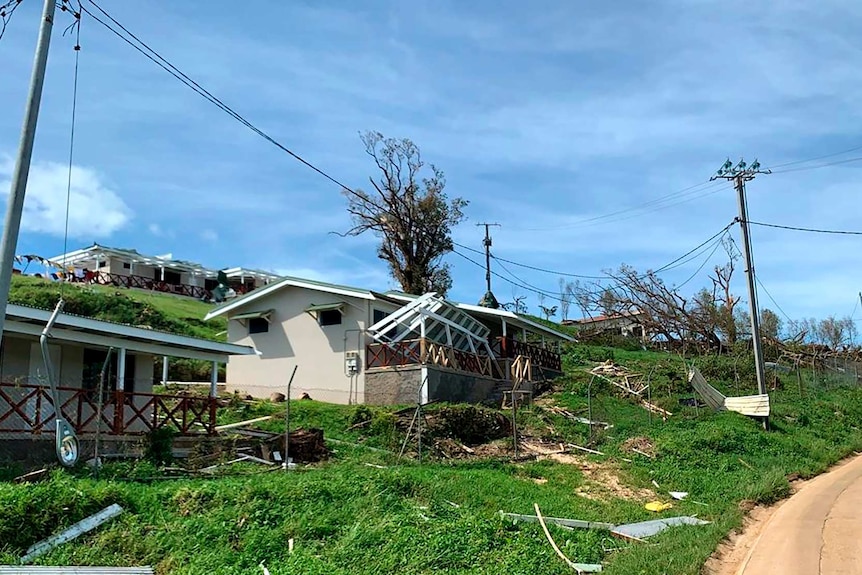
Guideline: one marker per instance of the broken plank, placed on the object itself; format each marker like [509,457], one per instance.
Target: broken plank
[242,423]
[33,476]
[587,449]
[75,530]
[655,409]
[574,523]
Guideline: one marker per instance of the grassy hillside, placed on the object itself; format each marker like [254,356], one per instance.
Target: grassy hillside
[175,314]
[366,511]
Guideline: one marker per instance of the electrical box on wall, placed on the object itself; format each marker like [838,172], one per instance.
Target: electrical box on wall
[351,362]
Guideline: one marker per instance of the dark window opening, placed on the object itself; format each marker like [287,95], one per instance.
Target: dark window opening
[378,315]
[127,266]
[329,317]
[258,325]
[172,278]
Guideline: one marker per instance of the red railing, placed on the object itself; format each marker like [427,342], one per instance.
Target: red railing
[26,408]
[510,348]
[142,282]
[417,352]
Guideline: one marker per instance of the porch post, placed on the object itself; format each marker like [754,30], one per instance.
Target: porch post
[120,402]
[524,334]
[165,370]
[163,273]
[214,380]
[543,342]
[121,369]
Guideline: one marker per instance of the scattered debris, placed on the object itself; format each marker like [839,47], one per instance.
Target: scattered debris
[751,405]
[745,464]
[452,504]
[579,567]
[277,397]
[588,450]
[640,445]
[691,402]
[374,465]
[221,428]
[646,529]
[569,415]
[657,506]
[655,409]
[290,545]
[621,377]
[33,476]
[678,495]
[570,523]
[657,486]
[75,530]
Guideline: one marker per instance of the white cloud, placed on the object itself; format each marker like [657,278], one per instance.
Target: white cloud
[95,211]
[209,236]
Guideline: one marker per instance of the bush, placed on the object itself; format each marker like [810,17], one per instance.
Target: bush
[158,446]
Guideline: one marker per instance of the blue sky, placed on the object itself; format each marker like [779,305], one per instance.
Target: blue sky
[541,114]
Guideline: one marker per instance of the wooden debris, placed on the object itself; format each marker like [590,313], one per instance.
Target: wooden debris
[620,377]
[72,532]
[220,428]
[33,476]
[587,449]
[579,567]
[571,523]
[655,409]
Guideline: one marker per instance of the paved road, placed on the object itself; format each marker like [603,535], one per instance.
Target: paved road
[818,531]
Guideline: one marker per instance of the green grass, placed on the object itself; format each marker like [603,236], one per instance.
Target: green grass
[350,517]
[175,314]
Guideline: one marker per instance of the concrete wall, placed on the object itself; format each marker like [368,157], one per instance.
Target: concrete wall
[295,338]
[401,386]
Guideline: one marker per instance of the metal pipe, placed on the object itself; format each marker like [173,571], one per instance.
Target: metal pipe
[15,205]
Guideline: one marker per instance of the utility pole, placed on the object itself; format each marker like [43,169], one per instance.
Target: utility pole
[15,206]
[739,174]
[489,300]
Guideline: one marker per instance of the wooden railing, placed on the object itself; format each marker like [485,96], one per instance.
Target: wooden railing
[510,348]
[26,408]
[419,351]
[143,282]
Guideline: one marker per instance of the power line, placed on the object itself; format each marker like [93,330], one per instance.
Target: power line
[813,230]
[164,64]
[689,194]
[708,258]
[772,299]
[818,166]
[678,262]
[814,159]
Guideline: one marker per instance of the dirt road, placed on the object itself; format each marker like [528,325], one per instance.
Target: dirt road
[814,532]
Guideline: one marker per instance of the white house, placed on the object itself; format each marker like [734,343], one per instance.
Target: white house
[131,269]
[353,345]
[78,349]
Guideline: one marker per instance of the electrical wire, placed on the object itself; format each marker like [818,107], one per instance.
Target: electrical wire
[658,204]
[163,63]
[772,299]
[812,230]
[818,166]
[77,48]
[718,243]
[678,262]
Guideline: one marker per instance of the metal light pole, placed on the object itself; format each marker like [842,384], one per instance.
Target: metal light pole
[741,173]
[15,206]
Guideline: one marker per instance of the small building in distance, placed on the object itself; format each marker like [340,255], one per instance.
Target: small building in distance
[626,325]
[130,269]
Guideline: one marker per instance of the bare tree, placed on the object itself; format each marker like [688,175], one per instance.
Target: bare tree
[836,332]
[723,299]
[412,218]
[548,312]
[565,298]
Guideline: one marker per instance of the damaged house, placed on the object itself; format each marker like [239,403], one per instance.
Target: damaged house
[354,345]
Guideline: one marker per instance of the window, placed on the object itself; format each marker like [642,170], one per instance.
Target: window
[378,315]
[127,266]
[258,325]
[100,264]
[329,317]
